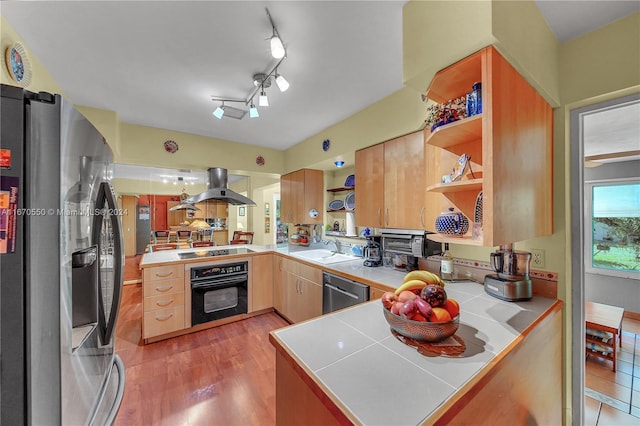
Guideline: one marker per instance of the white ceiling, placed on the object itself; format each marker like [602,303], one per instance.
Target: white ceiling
[158,63]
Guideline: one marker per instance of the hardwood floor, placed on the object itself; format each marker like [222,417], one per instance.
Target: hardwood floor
[220,376]
[132,271]
[614,398]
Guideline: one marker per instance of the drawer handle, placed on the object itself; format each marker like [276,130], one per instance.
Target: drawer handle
[165,288]
[164,275]
[163,304]
[164,317]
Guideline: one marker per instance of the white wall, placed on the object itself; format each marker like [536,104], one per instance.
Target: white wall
[606,289]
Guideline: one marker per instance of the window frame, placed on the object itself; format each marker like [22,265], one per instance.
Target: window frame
[588,220]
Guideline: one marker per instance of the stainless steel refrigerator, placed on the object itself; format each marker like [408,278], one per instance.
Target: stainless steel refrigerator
[61,266]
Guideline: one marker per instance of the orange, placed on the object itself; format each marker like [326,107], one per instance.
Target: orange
[439,315]
[452,306]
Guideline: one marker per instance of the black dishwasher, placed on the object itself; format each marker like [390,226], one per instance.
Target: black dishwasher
[339,293]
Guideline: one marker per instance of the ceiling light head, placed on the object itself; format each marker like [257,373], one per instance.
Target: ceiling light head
[282,82]
[263,100]
[277,48]
[253,111]
[339,163]
[219,112]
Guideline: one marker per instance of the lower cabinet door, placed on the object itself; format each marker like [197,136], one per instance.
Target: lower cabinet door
[163,321]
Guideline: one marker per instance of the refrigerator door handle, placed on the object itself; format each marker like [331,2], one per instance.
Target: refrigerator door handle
[106,200]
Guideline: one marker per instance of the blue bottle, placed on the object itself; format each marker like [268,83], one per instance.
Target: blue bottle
[477,89]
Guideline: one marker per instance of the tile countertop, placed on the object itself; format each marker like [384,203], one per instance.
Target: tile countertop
[380,380]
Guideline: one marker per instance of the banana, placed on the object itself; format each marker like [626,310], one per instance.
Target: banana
[411,285]
[426,276]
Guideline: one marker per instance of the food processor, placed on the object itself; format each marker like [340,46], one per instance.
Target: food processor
[512,281]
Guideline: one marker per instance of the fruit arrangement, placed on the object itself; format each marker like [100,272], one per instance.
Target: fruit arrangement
[421,297]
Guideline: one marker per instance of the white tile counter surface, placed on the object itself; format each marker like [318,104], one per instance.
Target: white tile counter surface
[382,381]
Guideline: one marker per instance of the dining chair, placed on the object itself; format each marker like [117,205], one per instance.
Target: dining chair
[184,236]
[160,237]
[240,237]
[195,244]
[164,246]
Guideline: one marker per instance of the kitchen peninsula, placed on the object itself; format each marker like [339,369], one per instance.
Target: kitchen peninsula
[347,368]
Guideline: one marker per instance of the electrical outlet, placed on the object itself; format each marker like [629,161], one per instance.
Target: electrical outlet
[537,258]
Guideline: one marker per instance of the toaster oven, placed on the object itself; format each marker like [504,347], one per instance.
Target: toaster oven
[409,242]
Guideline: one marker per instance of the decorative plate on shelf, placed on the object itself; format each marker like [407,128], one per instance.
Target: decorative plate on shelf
[477,212]
[336,204]
[171,146]
[350,201]
[351,181]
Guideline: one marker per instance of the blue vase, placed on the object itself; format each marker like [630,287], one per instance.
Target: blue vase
[452,223]
[477,89]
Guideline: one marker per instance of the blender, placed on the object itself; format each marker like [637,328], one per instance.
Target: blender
[372,252]
[511,281]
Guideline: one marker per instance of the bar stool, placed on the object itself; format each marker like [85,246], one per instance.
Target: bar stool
[206,234]
[196,244]
[240,237]
[160,237]
[160,247]
[184,236]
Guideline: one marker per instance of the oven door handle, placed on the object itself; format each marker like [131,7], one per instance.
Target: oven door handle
[219,282]
[339,290]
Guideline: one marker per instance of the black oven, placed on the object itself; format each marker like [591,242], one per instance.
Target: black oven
[218,291]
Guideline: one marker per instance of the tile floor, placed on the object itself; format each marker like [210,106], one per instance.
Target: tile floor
[614,398]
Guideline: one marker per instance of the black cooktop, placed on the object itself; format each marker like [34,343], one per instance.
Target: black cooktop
[215,252]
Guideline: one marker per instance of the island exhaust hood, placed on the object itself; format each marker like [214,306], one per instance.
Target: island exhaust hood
[218,190]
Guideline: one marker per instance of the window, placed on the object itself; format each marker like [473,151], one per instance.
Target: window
[612,210]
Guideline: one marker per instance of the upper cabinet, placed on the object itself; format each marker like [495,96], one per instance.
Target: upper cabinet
[510,145]
[301,194]
[388,178]
[210,209]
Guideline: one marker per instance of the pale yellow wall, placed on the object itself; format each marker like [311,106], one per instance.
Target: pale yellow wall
[436,34]
[107,123]
[41,80]
[400,113]
[136,187]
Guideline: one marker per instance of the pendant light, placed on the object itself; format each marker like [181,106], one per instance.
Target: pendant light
[219,112]
[253,111]
[282,82]
[263,100]
[277,48]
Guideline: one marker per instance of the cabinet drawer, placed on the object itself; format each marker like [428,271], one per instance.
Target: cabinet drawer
[162,302]
[163,321]
[310,273]
[157,288]
[163,273]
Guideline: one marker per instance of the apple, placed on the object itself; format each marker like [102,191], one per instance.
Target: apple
[439,315]
[418,317]
[406,295]
[388,298]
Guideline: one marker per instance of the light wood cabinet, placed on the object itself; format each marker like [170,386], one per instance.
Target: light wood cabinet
[375,293]
[163,300]
[261,285]
[510,143]
[389,178]
[297,290]
[210,209]
[300,192]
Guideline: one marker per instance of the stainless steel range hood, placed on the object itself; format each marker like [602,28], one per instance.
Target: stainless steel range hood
[184,206]
[218,190]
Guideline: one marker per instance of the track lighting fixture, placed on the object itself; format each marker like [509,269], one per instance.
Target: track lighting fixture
[261,81]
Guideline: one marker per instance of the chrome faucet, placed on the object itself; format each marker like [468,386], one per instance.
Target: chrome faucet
[337,244]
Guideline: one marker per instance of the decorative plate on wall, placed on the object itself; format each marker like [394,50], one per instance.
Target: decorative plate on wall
[171,146]
[326,144]
[18,64]
[260,160]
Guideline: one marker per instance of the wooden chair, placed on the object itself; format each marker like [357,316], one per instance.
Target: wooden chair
[184,236]
[240,237]
[195,244]
[206,234]
[160,247]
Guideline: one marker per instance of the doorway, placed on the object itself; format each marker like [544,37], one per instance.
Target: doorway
[578,228]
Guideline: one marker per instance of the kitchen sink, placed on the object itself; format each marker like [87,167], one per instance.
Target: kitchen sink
[323,256]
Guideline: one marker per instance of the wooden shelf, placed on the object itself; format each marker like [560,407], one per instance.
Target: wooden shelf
[465,185]
[458,132]
[439,238]
[344,188]
[456,80]
[340,210]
